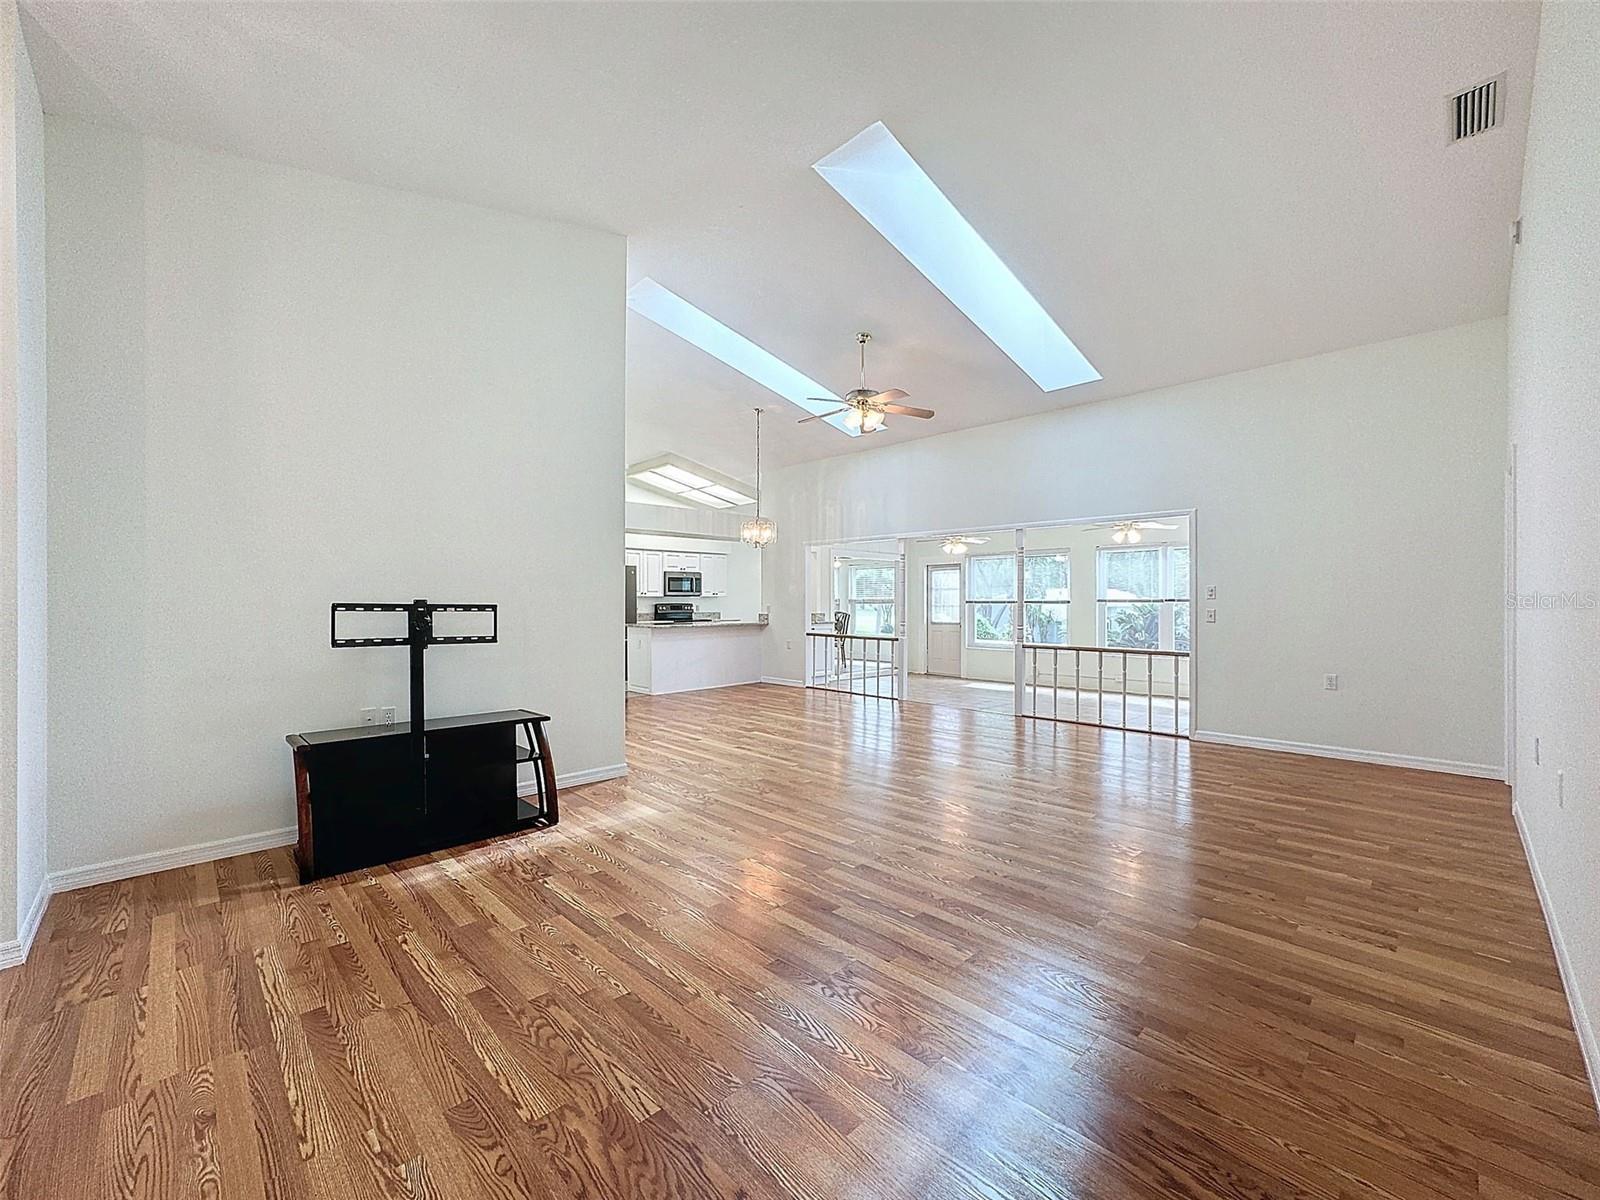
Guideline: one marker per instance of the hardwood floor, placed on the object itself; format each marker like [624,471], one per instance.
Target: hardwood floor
[821,947]
[986,695]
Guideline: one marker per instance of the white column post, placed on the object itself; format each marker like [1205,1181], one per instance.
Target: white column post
[902,624]
[1018,632]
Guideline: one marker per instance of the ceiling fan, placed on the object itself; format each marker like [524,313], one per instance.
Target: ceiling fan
[1128,531]
[958,545]
[864,409]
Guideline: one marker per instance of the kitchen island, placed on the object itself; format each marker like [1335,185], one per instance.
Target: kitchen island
[688,656]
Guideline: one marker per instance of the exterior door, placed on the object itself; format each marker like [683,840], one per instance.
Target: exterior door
[944,619]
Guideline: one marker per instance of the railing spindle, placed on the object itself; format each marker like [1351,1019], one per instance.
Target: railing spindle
[1099,718]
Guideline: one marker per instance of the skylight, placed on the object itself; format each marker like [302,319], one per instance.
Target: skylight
[882,182]
[685,480]
[676,315]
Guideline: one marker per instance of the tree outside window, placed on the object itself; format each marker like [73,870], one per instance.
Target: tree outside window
[871,597]
[1135,584]
[992,594]
[1046,593]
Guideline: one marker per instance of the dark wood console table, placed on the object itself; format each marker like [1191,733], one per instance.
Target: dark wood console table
[359,803]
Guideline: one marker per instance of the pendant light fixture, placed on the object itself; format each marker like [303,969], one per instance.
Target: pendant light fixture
[758,531]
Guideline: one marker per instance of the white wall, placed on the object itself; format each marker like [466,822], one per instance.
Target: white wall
[1554,357]
[23,699]
[1348,512]
[271,390]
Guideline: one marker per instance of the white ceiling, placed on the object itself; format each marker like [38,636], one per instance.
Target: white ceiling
[1189,189]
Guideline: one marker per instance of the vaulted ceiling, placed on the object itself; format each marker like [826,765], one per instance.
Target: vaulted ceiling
[1188,189]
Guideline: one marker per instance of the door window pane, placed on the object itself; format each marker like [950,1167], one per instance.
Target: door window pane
[944,595]
[1180,626]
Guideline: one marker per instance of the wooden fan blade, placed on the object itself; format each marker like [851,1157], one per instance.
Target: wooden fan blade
[892,396]
[905,410]
[821,416]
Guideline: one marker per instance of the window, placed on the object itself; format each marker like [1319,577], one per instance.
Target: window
[992,593]
[991,597]
[944,595]
[1144,597]
[871,597]
[1178,589]
[1046,593]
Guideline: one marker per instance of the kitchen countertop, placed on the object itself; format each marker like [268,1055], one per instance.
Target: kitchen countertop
[693,624]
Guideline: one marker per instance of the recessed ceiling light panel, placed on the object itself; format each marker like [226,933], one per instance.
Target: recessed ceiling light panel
[658,480]
[676,315]
[882,182]
[687,478]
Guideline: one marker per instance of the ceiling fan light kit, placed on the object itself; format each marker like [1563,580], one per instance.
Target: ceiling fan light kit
[864,409]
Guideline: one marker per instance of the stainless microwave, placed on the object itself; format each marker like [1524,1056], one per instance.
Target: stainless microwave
[681,583]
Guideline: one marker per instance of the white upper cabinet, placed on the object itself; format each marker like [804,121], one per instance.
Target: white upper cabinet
[650,565]
[714,574]
[654,568]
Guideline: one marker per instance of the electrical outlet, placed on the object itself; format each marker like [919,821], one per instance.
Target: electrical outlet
[1561,789]
[1211,616]
[369,716]
[1330,683]
[1211,592]
[386,716]
[788,645]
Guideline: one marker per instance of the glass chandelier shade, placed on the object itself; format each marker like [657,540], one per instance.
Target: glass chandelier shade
[758,531]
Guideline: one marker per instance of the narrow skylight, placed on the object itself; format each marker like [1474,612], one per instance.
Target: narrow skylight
[882,182]
[676,315]
[728,494]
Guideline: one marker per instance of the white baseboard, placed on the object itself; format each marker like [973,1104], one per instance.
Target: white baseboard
[1588,1036]
[15,953]
[577,778]
[165,860]
[1442,765]
[773,679]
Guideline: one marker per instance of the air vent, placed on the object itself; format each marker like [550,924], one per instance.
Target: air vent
[1477,109]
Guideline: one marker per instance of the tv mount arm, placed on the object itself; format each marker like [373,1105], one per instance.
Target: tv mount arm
[419,636]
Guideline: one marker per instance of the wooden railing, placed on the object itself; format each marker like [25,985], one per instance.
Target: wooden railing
[859,664]
[1054,686]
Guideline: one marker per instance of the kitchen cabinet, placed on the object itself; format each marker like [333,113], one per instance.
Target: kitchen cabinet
[677,560]
[713,574]
[654,566]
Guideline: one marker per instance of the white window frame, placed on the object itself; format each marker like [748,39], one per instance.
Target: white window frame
[969,603]
[852,600]
[1166,604]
